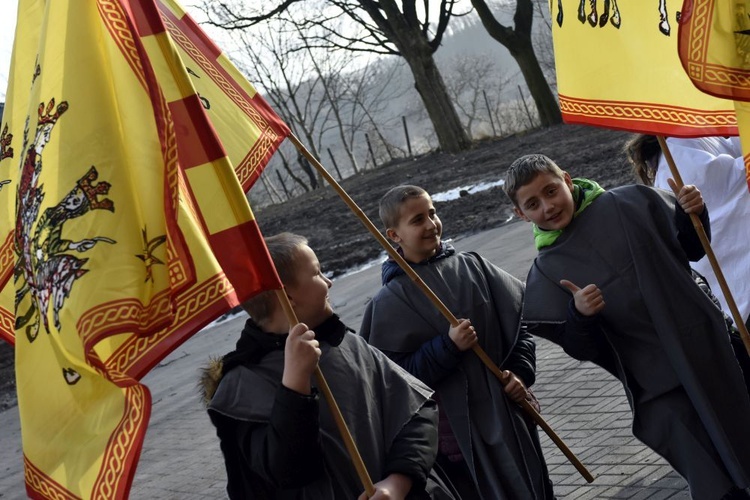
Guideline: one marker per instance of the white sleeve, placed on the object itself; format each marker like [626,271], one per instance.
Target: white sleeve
[707,162]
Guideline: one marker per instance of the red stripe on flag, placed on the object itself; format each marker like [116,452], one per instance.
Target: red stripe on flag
[7,326]
[242,268]
[124,447]
[7,260]
[189,27]
[40,486]
[196,147]
[147,20]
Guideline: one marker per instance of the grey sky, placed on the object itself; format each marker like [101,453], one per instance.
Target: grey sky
[7,30]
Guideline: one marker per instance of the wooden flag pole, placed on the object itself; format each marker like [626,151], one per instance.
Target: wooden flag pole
[351,446]
[438,303]
[738,320]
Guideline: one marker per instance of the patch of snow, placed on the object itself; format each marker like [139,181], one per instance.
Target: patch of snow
[454,193]
[367,265]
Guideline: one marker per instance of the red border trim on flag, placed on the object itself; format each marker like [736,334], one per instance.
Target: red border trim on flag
[648,118]
[208,299]
[121,454]
[696,23]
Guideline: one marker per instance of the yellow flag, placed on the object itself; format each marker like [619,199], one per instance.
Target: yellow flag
[123,230]
[714,46]
[618,67]
[249,129]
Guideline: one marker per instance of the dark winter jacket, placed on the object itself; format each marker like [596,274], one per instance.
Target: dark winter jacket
[281,444]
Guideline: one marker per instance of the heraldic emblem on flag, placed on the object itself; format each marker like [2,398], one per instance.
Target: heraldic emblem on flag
[618,67]
[125,228]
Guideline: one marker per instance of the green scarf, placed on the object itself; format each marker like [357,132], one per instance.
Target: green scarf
[584,192]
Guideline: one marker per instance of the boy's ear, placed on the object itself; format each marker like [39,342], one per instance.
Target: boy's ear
[568,181]
[520,214]
[392,235]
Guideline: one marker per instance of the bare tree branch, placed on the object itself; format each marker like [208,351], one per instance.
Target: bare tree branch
[222,15]
[393,27]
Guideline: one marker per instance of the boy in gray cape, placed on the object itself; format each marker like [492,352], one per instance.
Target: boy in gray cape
[278,439]
[487,446]
[657,331]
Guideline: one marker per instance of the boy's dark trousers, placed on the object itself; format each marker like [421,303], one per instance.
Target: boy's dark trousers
[459,475]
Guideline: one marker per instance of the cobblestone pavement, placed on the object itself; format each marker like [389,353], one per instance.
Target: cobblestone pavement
[585,405]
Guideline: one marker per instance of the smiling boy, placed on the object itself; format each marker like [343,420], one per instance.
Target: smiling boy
[278,440]
[612,284]
[486,445]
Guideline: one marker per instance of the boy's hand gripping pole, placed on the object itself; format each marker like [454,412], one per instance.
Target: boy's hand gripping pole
[346,436]
[438,303]
[738,320]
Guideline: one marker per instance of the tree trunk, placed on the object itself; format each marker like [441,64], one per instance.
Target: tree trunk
[404,31]
[518,43]
[429,83]
[546,104]
[309,170]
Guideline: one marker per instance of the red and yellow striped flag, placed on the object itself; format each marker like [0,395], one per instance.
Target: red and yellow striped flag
[714,46]
[249,129]
[618,67]
[124,228]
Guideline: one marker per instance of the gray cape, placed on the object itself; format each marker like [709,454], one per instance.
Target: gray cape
[376,398]
[499,447]
[665,336]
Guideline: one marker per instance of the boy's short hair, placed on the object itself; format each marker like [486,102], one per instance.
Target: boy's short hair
[525,169]
[283,248]
[390,203]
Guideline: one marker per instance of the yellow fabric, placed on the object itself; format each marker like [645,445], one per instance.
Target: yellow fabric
[714,48]
[625,72]
[743,119]
[105,217]
[249,130]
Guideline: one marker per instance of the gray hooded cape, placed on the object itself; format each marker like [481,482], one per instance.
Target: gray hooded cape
[667,341]
[376,398]
[501,450]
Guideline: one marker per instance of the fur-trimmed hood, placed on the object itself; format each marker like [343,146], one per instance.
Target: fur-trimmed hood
[210,376]
[253,345]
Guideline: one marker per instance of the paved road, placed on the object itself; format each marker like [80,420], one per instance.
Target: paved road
[586,406]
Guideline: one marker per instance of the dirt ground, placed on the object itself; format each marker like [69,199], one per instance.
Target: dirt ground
[341,241]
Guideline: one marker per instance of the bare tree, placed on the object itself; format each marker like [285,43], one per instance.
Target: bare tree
[471,77]
[542,41]
[383,27]
[296,97]
[304,166]
[368,91]
[330,80]
[273,194]
[518,42]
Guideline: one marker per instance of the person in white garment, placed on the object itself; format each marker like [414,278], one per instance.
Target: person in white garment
[715,165]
